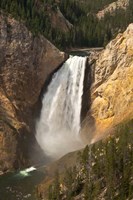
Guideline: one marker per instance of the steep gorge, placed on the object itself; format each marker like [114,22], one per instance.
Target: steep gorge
[25,64]
[111,111]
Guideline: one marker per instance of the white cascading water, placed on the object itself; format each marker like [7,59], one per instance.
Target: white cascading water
[57,130]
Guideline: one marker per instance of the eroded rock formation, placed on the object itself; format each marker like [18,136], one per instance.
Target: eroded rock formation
[119,4]
[25,63]
[112,90]
[59,21]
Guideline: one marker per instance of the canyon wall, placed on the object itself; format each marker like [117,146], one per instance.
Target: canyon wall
[25,63]
[112,87]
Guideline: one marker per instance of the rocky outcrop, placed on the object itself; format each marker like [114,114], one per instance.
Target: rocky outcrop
[25,64]
[112,90]
[59,22]
[119,4]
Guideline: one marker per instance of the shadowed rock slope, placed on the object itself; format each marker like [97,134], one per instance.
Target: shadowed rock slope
[25,63]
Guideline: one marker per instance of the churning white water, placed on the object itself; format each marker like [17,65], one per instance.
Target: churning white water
[57,130]
[26,172]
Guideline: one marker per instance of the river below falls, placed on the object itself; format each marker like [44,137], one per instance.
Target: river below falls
[20,185]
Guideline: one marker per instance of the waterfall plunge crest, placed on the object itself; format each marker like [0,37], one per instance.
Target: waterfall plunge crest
[57,130]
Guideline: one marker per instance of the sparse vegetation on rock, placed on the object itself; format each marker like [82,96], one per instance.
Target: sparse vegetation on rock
[103,170]
[71,23]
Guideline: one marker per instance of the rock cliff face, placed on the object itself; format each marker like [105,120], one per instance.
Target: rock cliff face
[119,4]
[59,21]
[25,63]
[112,90]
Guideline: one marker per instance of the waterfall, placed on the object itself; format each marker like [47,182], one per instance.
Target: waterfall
[57,130]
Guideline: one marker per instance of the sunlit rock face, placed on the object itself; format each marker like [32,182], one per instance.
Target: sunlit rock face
[25,63]
[112,90]
[112,7]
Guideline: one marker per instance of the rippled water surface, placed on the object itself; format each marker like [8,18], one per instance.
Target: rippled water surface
[20,185]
